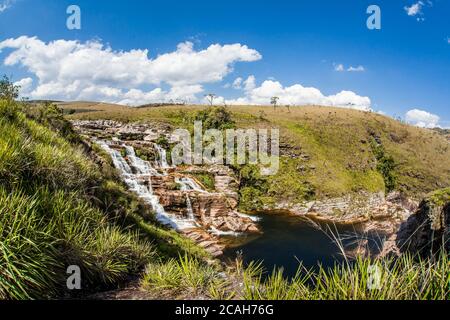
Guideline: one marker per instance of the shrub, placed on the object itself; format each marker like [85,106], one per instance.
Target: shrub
[385,165]
[215,118]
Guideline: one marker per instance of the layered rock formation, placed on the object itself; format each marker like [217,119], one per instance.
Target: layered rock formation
[177,197]
[427,232]
[376,210]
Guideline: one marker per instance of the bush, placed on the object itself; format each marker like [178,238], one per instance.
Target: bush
[215,118]
[385,165]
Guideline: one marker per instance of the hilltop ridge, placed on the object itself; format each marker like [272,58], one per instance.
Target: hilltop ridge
[325,152]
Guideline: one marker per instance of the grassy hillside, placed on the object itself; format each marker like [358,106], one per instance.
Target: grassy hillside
[61,204]
[326,152]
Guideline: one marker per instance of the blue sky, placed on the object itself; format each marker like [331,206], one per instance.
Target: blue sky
[289,47]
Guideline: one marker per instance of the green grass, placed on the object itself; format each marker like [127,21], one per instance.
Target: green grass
[62,203]
[440,197]
[185,276]
[401,278]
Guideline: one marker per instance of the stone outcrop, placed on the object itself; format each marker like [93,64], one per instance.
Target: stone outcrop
[211,210]
[427,232]
[373,209]
[211,214]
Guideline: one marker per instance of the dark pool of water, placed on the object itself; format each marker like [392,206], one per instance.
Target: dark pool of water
[288,240]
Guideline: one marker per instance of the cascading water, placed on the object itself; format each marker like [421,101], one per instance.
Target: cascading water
[144,171]
[141,166]
[136,185]
[253,218]
[162,156]
[190,211]
[118,161]
[224,233]
[188,184]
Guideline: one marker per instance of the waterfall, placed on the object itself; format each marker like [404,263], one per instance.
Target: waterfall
[188,184]
[118,161]
[136,185]
[141,166]
[162,156]
[190,211]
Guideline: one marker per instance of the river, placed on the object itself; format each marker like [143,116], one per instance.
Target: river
[286,240]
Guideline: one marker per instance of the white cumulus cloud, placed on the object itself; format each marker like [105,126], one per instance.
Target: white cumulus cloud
[298,95]
[25,85]
[237,83]
[423,119]
[72,70]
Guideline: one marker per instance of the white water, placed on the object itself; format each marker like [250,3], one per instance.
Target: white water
[224,233]
[188,184]
[162,157]
[118,160]
[134,184]
[253,218]
[141,166]
[190,211]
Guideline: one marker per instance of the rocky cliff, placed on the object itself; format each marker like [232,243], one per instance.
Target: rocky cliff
[178,198]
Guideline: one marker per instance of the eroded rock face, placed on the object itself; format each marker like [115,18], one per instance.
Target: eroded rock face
[211,210]
[211,214]
[374,209]
[427,231]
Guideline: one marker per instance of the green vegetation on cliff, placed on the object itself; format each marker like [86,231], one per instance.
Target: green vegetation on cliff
[62,204]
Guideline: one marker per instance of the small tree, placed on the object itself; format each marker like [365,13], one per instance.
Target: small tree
[274,101]
[8,90]
[210,98]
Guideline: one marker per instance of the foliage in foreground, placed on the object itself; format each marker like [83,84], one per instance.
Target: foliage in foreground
[48,216]
[403,278]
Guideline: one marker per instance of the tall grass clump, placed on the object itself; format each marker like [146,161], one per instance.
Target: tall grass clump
[185,276]
[50,218]
[402,278]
